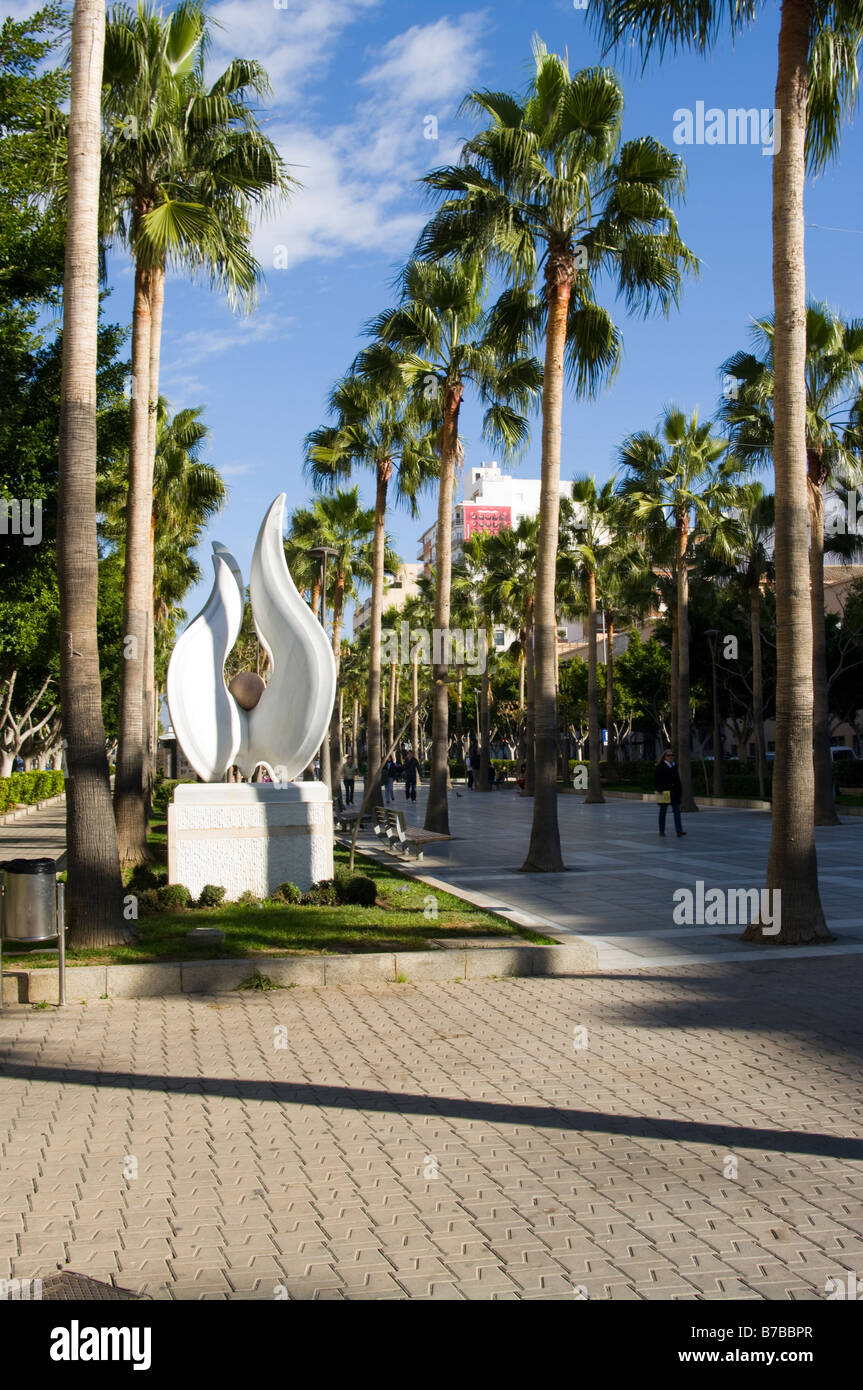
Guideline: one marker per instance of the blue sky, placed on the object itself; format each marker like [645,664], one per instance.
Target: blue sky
[354,81]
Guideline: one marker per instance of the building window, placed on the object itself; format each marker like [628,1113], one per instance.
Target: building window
[499,637]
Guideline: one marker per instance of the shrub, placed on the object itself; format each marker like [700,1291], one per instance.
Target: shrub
[287,893]
[173,897]
[248,898]
[324,894]
[142,877]
[212,895]
[358,889]
[148,903]
[26,788]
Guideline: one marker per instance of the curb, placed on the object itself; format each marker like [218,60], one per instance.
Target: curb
[23,811]
[153,981]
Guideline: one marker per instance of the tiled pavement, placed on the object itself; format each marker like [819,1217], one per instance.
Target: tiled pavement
[705,1143]
[621,879]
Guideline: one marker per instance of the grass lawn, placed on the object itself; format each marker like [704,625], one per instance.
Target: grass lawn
[397,922]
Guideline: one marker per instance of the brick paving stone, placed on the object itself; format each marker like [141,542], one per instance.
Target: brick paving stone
[555,1170]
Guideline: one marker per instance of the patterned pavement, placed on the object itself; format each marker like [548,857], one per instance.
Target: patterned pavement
[664,1133]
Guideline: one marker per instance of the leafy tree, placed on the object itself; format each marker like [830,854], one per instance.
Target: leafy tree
[547,190]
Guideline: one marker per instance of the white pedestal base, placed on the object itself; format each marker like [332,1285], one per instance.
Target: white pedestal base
[250,836]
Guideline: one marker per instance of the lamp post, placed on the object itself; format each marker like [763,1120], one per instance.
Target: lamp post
[323,553]
[711,635]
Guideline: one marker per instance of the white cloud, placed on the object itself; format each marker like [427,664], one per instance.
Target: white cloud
[295,44]
[359,178]
[430,63]
[201,343]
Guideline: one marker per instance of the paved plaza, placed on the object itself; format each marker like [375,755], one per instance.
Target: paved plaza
[619,888]
[673,1131]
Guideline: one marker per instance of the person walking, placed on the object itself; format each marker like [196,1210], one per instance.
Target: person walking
[388,777]
[411,773]
[349,776]
[475,765]
[666,781]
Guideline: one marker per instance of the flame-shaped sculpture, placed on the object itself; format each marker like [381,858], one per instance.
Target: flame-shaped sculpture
[288,724]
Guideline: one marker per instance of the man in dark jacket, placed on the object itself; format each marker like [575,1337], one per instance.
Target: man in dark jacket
[666,778]
[411,772]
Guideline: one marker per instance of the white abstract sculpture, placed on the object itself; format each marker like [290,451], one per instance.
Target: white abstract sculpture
[286,727]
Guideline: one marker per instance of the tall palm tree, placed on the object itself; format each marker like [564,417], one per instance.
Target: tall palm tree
[816,86]
[447,342]
[834,376]
[510,558]
[591,517]
[94,887]
[548,190]
[343,525]
[185,166]
[377,426]
[754,562]
[681,474]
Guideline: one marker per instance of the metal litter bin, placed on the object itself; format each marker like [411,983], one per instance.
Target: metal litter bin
[29,905]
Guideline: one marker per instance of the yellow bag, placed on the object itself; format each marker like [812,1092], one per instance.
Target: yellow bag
[663,798]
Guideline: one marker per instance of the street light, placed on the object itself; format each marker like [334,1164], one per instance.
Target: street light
[711,634]
[323,553]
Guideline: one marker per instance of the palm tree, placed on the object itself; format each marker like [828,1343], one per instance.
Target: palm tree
[474,592]
[683,473]
[377,427]
[816,85]
[342,524]
[756,514]
[446,341]
[94,887]
[510,558]
[187,494]
[834,375]
[185,166]
[591,517]
[547,188]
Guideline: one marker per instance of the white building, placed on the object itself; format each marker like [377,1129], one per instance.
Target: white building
[396,594]
[492,501]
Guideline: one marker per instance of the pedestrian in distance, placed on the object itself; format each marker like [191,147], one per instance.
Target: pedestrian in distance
[388,777]
[349,776]
[475,765]
[666,781]
[411,771]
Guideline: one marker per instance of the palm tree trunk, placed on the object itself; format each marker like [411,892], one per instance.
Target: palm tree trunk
[485,729]
[129,783]
[336,751]
[611,752]
[94,889]
[355,731]
[530,707]
[415,700]
[825,808]
[521,664]
[373,716]
[543,855]
[459,713]
[674,680]
[437,809]
[684,757]
[391,706]
[594,784]
[792,866]
[150,707]
[757,685]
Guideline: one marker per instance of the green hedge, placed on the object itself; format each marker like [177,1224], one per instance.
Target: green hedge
[27,788]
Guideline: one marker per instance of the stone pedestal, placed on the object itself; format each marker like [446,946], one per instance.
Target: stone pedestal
[250,836]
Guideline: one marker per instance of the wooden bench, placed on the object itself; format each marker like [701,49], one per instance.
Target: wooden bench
[345,818]
[390,826]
